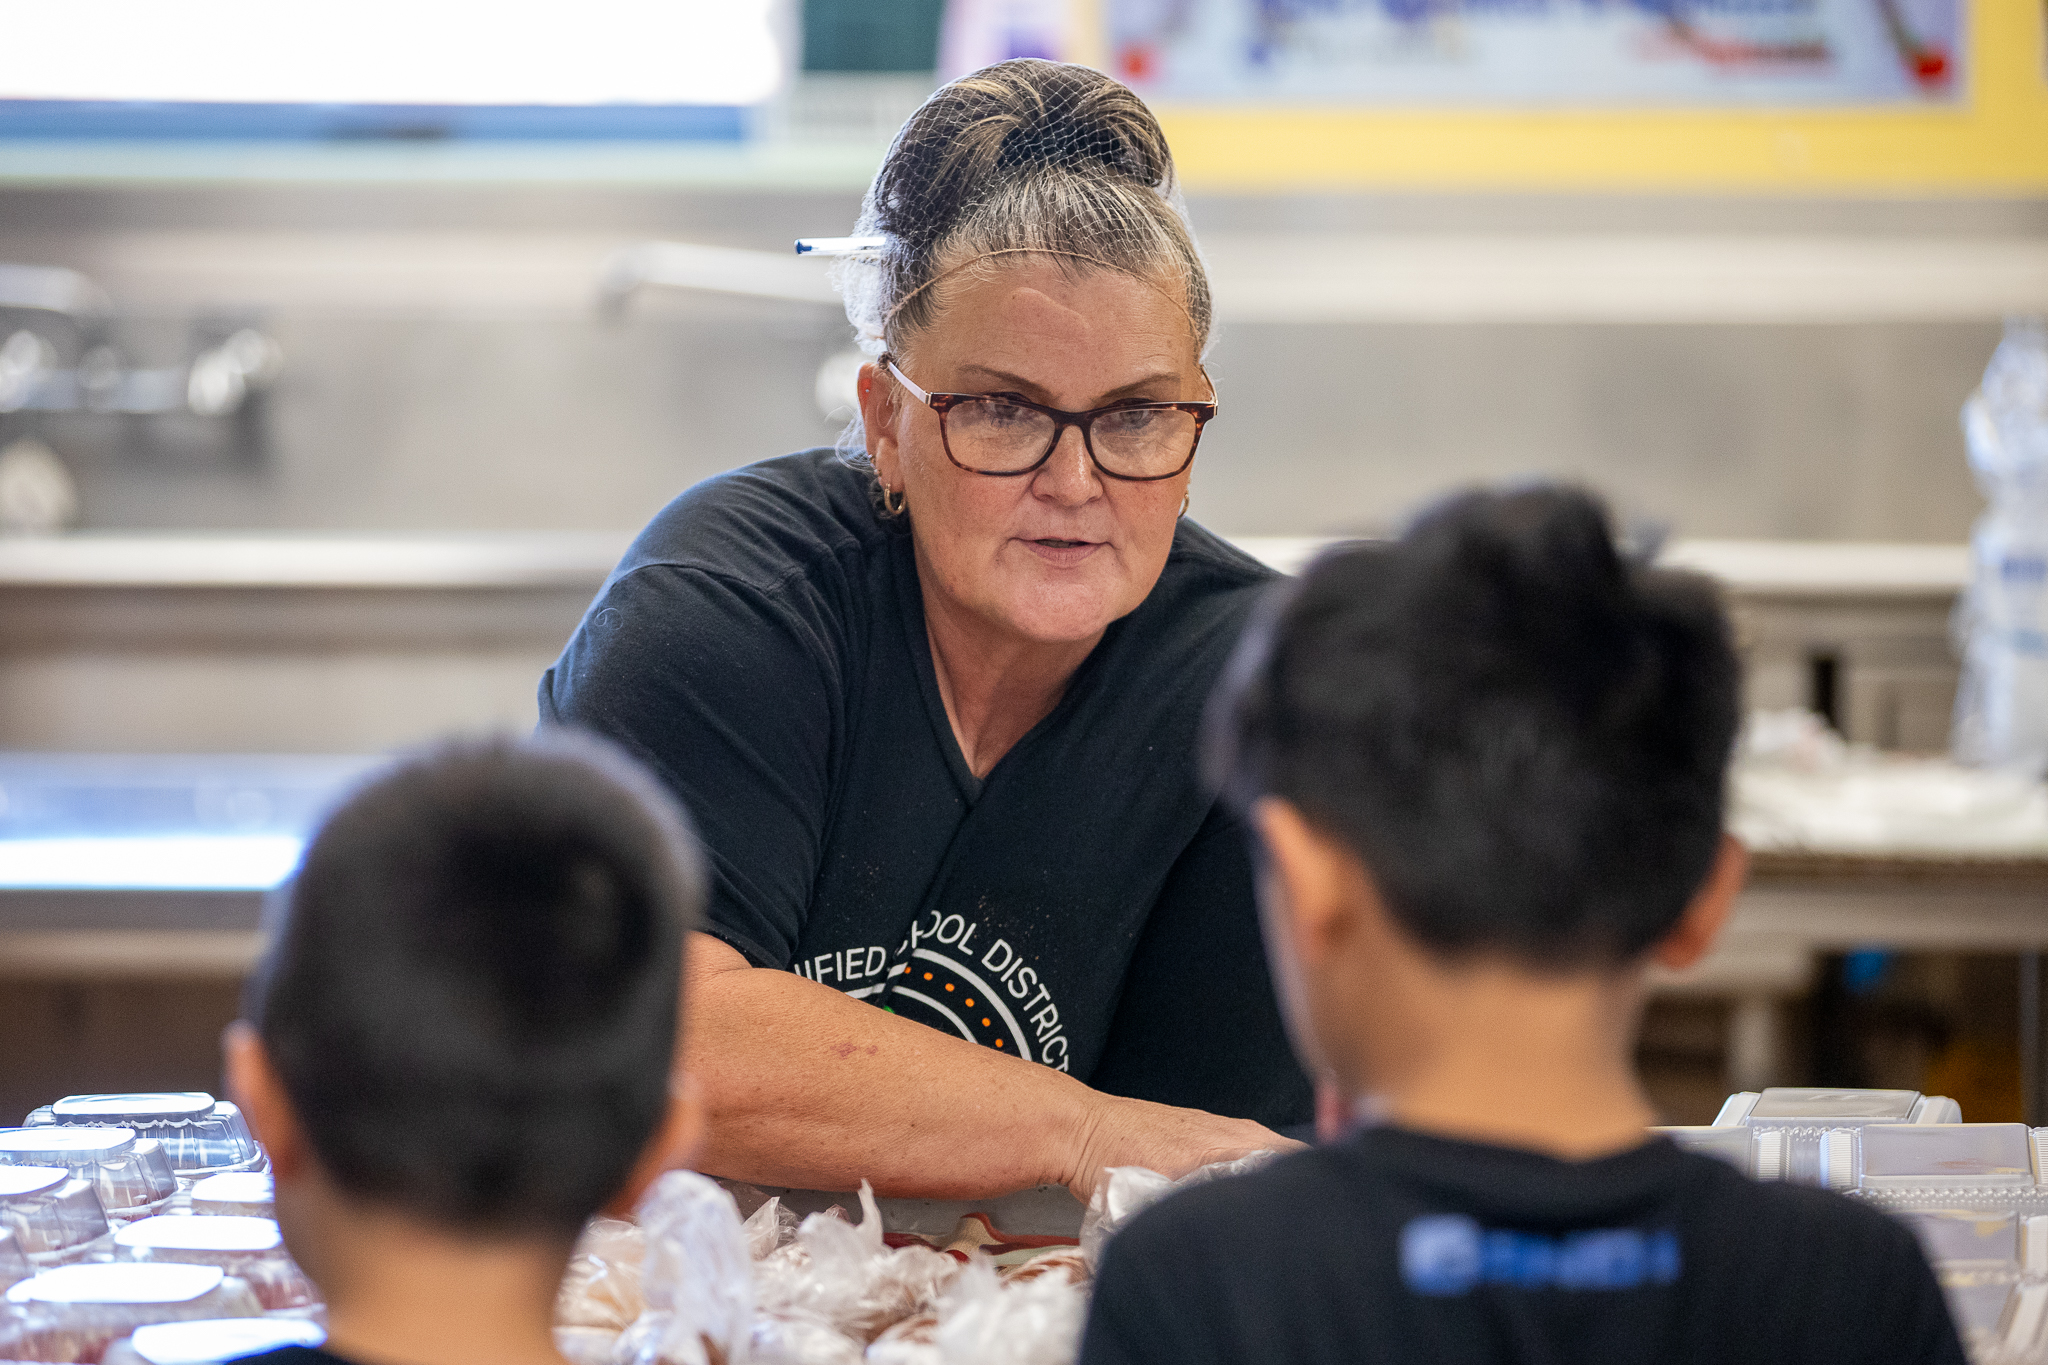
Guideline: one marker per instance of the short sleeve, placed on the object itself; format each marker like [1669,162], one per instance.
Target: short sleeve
[1197,1024]
[729,694]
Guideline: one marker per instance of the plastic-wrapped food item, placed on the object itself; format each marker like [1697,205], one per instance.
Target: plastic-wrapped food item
[51,1215]
[246,1194]
[586,1345]
[73,1313]
[601,1288]
[251,1249]
[1067,1262]
[778,1340]
[1122,1194]
[913,1341]
[132,1178]
[770,1227]
[1126,1191]
[211,1341]
[985,1321]
[697,1277]
[200,1135]
[846,1278]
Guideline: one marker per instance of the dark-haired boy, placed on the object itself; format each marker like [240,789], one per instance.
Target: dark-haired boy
[1486,763]
[458,1047]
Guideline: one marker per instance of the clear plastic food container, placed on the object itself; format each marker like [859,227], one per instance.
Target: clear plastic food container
[1976,1155]
[201,1135]
[248,1248]
[1806,1105]
[13,1260]
[246,1193]
[131,1175]
[1950,1236]
[205,1343]
[73,1313]
[49,1215]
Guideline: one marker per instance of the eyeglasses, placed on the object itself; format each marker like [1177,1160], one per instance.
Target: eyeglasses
[1004,435]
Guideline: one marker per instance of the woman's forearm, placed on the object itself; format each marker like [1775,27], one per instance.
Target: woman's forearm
[810,1088]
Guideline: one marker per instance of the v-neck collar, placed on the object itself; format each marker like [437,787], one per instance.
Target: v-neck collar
[918,637]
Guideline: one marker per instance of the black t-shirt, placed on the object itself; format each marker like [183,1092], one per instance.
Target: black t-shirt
[292,1355]
[1086,905]
[1395,1246]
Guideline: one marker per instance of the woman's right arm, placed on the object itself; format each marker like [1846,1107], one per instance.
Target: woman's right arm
[810,1088]
[730,695]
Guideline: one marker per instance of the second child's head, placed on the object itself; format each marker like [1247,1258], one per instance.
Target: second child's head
[467,1018]
[1493,750]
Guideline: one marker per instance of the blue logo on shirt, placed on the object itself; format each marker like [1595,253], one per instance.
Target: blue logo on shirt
[1447,1254]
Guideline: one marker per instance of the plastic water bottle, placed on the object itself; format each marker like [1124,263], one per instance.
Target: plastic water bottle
[2002,625]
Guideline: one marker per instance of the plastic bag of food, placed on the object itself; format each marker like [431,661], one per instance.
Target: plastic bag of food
[586,1345]
[602,1288]
[1066,1262]
[1124,1192]
[697,1277]
[913,1341]
[770,1227]
[984,1320]
[844,1277]
[781,1340]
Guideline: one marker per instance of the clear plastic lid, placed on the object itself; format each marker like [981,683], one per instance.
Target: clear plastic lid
[177,1105]
[236,1192]
[1948,1236]
[1972,1154]
[230,1234]
[119,1284]
[203,1343]
[200,1135]
[66,1146]
[1822,1108]
[49,1212]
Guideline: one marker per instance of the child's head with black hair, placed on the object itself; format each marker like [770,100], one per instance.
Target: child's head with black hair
[466,1022]
[1503,737]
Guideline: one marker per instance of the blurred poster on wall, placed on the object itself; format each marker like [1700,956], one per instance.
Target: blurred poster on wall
[1540,52]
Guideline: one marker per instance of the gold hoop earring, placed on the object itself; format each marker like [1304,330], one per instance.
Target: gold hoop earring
[1184,499]
[892,509]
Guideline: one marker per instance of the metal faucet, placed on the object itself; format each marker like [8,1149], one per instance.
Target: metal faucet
[215,383]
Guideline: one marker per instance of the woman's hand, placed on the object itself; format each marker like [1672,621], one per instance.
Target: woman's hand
[1160,1137]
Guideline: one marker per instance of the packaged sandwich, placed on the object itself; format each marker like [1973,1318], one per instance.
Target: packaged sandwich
[250,1249]
[73,1313]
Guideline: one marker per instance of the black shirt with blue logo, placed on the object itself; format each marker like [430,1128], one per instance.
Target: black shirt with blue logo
[1397,1246]
[1087,905]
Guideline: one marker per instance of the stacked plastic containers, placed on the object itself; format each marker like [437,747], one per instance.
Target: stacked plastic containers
[1976,1194]
[49,1216]
[75,1312]
[200,1136]
[248,1248]
[129,1174]
[143,1214]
